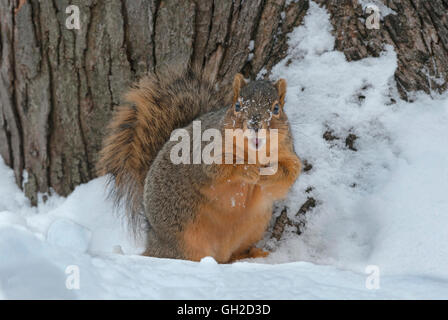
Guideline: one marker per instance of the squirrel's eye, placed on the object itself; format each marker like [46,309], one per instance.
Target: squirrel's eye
[237,107]
[276,110]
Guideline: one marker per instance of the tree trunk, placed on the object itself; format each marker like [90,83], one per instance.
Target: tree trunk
[418,31]
[59,87]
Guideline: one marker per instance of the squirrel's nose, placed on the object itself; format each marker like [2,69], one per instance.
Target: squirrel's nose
[253,129]
[254,125]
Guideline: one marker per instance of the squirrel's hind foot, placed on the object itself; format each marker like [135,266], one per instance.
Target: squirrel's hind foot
[252,253]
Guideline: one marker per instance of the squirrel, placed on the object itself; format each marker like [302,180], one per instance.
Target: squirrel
[196,210]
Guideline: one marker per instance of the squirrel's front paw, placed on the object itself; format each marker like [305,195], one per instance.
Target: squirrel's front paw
[250,174]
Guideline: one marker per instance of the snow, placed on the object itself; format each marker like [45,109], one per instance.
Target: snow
[383,9]
[396,216]
[69,234]
[379,229]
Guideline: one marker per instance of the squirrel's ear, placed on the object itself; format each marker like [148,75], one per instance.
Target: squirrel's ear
[238,83]
[281,89]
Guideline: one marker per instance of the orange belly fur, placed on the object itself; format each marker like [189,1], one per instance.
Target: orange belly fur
[234,219]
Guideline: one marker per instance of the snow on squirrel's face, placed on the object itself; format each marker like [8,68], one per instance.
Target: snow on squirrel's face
[257,108]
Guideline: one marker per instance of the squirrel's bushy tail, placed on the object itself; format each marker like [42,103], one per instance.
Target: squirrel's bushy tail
[159,103]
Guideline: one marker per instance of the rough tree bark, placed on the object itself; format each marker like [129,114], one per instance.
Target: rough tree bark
[418,31]
[58,87]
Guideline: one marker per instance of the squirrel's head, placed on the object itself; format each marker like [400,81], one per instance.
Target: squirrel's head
[257,108]
[258,104]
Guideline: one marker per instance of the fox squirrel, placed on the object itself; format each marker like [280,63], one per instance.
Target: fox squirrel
[197,210]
